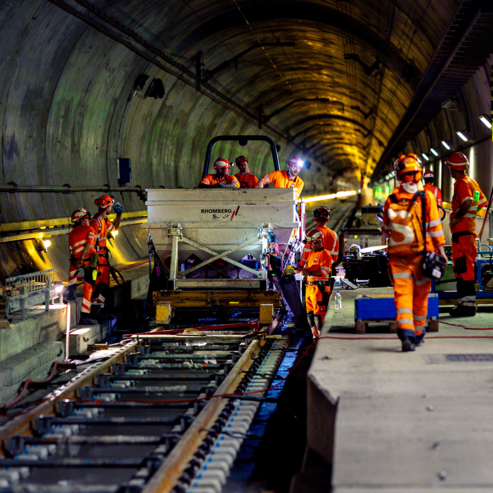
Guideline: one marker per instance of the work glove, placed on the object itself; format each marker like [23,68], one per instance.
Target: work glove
[118,209]
[218,185]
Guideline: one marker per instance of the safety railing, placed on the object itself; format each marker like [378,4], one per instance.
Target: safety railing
[30,289]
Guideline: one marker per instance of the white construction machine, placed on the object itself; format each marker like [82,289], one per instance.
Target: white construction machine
[223,226]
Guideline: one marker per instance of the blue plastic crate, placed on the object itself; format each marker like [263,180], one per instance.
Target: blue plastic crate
[382,307]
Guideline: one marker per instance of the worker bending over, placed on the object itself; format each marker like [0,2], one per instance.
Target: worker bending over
[330,239]
[317,271]
[244,177]
[467,200]
[102,226]
[222,178]
[402,216]
[81,243]
[429,178]
[286,179]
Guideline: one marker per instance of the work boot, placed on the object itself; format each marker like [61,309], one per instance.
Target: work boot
[407,345]
[69,293]
[463,311]
[85,320]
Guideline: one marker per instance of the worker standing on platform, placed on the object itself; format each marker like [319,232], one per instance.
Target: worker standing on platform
[222,178]
[330,240]
[402,217]
[244,177]
[467,200]
[81,243]
[429,178]
[317,271]
[102,226]
[286,179]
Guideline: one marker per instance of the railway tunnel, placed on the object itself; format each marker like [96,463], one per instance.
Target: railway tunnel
[123,97]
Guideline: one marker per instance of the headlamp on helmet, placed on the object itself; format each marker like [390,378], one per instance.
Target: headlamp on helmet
[222,163]
[313,235]
[79,214]
[241,159]
[104,201]
[409,164]
[296,162]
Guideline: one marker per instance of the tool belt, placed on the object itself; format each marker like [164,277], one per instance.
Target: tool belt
[318,283]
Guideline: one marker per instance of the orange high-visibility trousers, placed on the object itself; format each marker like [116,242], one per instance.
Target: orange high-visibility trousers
[317,299]
[464,255]
[411,291]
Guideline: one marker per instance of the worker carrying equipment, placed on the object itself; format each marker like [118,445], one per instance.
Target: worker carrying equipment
[81,243]
[466,201]
[222,178]
[286,179]
[317,271]
[402,223]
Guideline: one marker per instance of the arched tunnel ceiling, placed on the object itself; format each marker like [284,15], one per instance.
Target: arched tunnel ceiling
[334,77]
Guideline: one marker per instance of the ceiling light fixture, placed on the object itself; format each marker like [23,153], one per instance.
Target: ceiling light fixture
[463,136]
[425,156]
[445,144]
[435,153]
[486,120]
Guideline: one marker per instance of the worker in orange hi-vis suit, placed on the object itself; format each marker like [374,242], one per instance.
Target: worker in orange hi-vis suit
[467,200]
[81,243]
[244,177]
[402,223]
[222,178]
[101,226]
[286,179]
[429,178]
[317,270]
[330,241]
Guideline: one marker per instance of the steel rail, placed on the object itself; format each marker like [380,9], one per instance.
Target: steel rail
[179,427]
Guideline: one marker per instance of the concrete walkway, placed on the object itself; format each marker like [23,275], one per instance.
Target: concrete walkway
[403,422]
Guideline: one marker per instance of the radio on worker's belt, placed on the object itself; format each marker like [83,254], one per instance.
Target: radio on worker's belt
[434,266]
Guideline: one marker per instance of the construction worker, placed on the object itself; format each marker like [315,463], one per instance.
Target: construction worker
[317,271]
[81,243]
[467,200]
[222,178]
[331,240]
[429,178]
[244,177]
[403,224]
[396,164]
[101,226]
[286,179]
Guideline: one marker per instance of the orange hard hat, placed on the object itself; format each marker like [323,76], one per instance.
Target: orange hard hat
[458,161]
[104,201]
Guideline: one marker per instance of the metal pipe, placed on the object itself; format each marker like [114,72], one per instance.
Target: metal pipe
[14,188]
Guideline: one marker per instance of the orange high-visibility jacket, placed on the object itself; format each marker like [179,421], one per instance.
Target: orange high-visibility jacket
[214,180]
[280,179]
[464,188]
[319,260]
[404,236]
[247,180]
[437,193]
[330,243]
[78,238]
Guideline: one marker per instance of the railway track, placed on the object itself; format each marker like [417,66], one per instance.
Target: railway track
[165,413]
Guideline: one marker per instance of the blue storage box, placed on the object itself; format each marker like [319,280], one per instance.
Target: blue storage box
[382,307]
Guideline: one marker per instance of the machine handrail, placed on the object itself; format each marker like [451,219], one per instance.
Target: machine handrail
[242,140]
